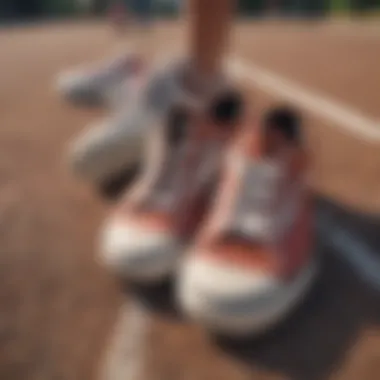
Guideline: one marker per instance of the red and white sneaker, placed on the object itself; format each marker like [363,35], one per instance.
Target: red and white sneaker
[144,238]
[101,85]
[253,259]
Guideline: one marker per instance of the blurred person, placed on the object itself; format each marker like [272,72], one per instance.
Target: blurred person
[119,16]
[244,259]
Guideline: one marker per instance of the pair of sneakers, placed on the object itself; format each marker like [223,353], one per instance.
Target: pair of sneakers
[220,203]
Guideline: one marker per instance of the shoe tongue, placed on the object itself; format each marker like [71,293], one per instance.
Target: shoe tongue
[254,146]
[186,168]
[250,141]
[252,217]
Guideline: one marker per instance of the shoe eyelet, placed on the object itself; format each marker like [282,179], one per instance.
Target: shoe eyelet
[226,110]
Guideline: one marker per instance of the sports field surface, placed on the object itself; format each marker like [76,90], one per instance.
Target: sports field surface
[62,317]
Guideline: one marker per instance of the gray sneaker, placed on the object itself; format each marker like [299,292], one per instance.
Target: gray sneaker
[115,145]
[98,86]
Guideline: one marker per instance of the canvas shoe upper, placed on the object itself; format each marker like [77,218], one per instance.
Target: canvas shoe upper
[253,259]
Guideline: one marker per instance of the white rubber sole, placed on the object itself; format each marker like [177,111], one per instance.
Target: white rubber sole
[100,164]
[249,316]
[156,271]
[136,257]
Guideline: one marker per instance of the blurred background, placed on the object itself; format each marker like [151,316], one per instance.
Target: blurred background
[58,306]
[11,10]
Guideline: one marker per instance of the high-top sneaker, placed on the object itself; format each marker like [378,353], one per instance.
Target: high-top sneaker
[115,145]
[253,260]
[144,237]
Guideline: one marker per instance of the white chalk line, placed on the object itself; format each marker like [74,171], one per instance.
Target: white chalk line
[342,116]
[125,355]
[352,29]
[359,255]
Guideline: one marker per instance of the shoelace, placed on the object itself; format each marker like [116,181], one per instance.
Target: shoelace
[253,214]
[173,182]
[167,185]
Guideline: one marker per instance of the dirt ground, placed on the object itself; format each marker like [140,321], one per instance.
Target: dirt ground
[57,306]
